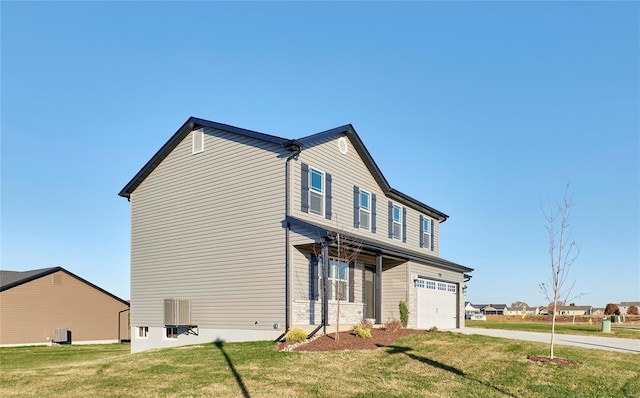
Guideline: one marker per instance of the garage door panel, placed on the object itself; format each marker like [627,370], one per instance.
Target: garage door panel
[436,304]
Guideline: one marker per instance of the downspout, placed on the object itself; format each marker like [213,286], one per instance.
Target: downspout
[295,147]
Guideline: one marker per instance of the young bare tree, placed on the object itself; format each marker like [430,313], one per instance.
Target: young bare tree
[347,249]
[563,253]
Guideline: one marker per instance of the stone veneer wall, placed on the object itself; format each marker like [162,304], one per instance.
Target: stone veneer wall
[310,313]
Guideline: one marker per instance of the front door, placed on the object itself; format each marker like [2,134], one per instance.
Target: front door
[369,291]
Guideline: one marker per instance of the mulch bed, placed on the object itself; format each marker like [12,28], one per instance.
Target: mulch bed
[556,360]
[348,341]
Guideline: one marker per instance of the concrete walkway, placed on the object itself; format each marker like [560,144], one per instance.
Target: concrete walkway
[596,342]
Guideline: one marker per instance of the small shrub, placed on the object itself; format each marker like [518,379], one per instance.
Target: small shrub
[361,332]
[296,334]
[404,313]
[393,325]
[366,324]
[433,329]
[633,310]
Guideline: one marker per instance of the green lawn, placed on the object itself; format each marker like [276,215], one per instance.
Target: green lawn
[562,328]
[431,365]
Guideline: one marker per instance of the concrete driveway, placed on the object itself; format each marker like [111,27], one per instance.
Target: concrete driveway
[596,342]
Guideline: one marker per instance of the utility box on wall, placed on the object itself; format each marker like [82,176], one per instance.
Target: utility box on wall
[177,312]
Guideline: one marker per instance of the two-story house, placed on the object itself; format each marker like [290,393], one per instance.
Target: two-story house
[235,235]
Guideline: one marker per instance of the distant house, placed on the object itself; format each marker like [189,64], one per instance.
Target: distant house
[597,311]
[470,310]
[53,305]
[624,306]
[517,309]
[492,309]
[572,310]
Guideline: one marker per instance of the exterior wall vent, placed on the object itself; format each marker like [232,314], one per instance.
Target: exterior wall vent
[60,335]
[177,312]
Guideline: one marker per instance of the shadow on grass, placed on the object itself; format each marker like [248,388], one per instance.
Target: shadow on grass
[391,350]
[243,388]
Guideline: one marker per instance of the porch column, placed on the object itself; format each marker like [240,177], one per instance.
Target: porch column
[378,288]
[325,285]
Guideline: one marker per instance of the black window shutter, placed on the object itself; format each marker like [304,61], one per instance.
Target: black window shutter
[327,197]
[356,207]
[313,278]
[433,233]
[373,213]
[352,292]
[304,188]
[421,230]
[404,224]
[391,219]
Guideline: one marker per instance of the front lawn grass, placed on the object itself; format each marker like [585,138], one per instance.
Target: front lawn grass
[425,365]
[561,328]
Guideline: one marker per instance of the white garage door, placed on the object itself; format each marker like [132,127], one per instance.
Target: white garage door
[436,304]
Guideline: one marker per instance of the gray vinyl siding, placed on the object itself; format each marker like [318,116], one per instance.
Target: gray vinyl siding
[349,170]
[394,289]
[207,227]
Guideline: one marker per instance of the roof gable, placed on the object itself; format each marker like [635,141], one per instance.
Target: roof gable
[191,124]
[347,129]
[373,168]
[11,279]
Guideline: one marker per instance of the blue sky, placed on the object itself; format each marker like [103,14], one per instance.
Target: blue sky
[481,110]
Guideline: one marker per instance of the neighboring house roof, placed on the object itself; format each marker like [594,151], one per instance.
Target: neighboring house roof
[499,307]
[194,123]
[381,247]
[11,279]
[630,303]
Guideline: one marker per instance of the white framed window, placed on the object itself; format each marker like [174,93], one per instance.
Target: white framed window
[316,191]
[419,283]
[171,332]
[397,222]
[426,232]
[442,286]
[143,332]
[338,280]
[365,210]
[431,285]
[197,141]
[451,287]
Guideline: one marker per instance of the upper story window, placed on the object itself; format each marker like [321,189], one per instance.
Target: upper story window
[364,209]
[426,232]
[316,191]
[397,222]
[197,141]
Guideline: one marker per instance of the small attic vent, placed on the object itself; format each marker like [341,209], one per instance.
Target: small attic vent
[342,145]
[60,335]
[197,137]
[177,312]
